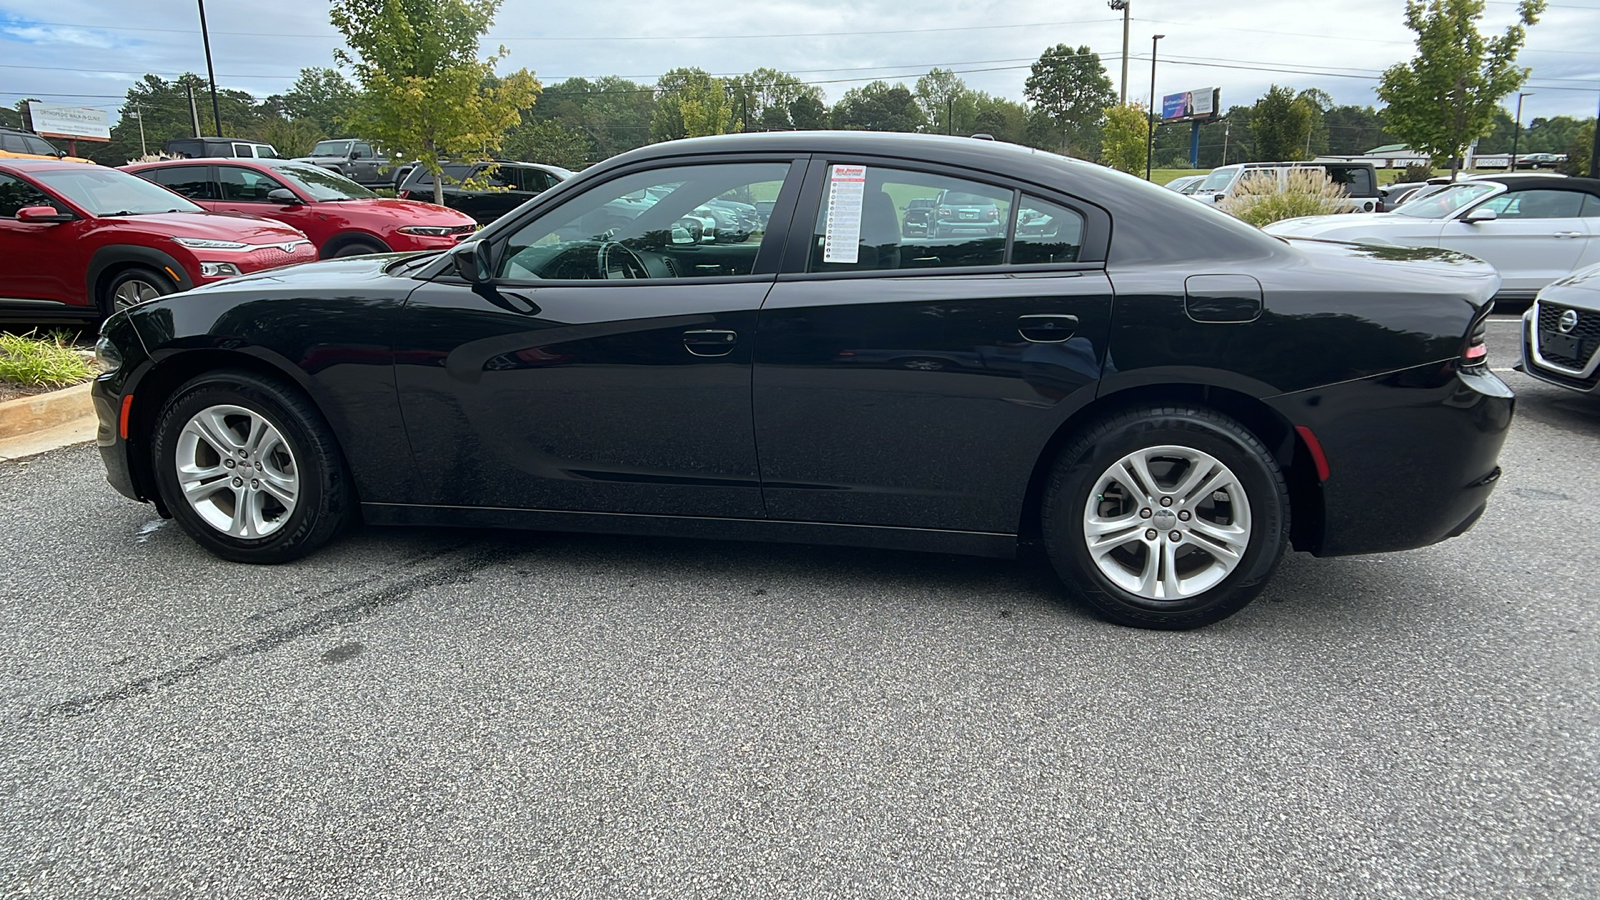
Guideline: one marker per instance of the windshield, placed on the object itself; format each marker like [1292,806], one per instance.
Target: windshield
[331,148]
[1219,179]
[1442,204]
[322,184]
[108,192]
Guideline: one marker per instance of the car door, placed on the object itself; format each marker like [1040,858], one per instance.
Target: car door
[43,262]
[911,379]
[363,168]
[1538,235]
[606,367]
[244,190]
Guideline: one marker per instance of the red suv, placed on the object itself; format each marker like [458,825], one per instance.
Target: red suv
[81,242]
[341,217]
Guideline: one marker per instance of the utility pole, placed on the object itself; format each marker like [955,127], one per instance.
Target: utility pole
[949,114]
[1517,132]
[1124,6]
[194,113]
[205,36]
[1594,152]
[1226,127]
[138,113]
[1150,141]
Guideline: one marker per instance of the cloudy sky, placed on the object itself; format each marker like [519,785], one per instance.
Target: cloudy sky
[87,52]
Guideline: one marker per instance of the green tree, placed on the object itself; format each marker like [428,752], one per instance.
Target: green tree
[1445,97]
[945,100]
[691,103]
[809,113]
[1004,120]
[878,106]
[1578,151]
[1070,91]
[1318,104]
[425,93]
[1281,125]
[323,98]
[290,137]
[551,143]
[766,98]
[1355,129]
[1126,134]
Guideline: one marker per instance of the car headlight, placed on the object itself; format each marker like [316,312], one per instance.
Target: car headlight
[107,354]
[218,270]
[209,244]
[429,230]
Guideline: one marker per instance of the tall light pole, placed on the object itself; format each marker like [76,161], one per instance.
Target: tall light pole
[1517,132]
[205,36]
[1123,5]
[1150,142]
[140,116]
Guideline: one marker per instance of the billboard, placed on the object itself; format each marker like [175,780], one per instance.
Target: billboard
[71,122]
[1191,105]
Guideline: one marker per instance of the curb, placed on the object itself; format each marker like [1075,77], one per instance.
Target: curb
[31,425]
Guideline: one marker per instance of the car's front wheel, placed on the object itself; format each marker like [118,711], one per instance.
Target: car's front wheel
[249,468]
[1166,517]
[131,287]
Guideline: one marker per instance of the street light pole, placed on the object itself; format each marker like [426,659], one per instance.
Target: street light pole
[1517,132]
[1124,6]
[205,37]
[1150,141]
[137,114]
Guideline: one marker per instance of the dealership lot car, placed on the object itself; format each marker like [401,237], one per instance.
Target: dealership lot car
[1164,398]
[79,242]
[342,218]
[1561,333]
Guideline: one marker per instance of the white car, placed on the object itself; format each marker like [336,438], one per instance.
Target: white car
[1561,333]
[1534,229]
[1184,183]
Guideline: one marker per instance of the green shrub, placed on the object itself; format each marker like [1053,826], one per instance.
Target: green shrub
[41,362]
[1261,200]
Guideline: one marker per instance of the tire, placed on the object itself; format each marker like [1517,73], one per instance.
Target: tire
[1226,550]
[133,286]
[301,495]
[358,247]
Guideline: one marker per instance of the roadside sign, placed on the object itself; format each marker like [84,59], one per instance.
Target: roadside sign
[71,122]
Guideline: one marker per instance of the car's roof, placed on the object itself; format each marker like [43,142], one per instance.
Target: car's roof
[1529,181]
[40,165]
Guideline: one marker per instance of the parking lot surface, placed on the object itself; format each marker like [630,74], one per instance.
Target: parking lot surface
[437,713]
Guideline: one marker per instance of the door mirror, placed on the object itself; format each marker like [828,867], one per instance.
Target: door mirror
[686,231]
[284,195]
[472,261]
[1481,214]
[46,215]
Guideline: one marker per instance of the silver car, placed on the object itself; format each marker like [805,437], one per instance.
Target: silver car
[1561,332]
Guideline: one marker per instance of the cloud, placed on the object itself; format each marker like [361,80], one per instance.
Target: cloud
[26,32]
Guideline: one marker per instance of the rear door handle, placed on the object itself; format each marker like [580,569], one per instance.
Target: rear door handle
[1569,234]
[1048,328]
[710,342]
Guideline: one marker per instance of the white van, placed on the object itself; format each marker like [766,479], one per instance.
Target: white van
[1360,181]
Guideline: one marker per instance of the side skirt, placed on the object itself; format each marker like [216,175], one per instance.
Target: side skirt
[967,543]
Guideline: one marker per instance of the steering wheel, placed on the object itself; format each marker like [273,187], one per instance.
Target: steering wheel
[615,260]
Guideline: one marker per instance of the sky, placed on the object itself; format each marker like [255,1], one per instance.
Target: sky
[88,52]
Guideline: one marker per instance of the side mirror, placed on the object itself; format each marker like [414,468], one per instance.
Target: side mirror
[687,231]
[1481,214]
[43,215]
[472,261]
[284,195]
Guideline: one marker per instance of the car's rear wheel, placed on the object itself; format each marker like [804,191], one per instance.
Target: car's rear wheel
[1166,517]
[131,287]
[249,468]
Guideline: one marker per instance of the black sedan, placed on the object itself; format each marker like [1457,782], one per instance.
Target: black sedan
[1162,397]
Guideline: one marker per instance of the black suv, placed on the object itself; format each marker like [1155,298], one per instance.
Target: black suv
[919,215]
[506,186]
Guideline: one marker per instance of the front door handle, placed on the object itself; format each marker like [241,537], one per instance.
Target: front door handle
[1047,329]
[1569,234]
[710,342]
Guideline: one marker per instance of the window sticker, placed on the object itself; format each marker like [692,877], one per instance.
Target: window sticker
[842,236]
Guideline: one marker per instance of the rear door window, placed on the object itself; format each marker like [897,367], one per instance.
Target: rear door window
[193,182]
[862,224]
[38,146]
[1536,204]
[1046,233]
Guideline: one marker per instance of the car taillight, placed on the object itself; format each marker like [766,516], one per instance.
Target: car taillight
[994,213]
[944,213]
[1477,349]
[403,195]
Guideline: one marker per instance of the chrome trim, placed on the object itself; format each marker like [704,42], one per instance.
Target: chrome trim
[1532,339]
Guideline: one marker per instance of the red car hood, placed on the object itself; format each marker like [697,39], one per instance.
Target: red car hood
[216,226]
[410,212]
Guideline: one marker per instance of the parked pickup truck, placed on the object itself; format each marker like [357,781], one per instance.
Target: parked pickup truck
[356,160]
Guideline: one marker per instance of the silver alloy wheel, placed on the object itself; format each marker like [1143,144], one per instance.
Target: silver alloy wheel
[131,293]
[237,471]
[1167,523]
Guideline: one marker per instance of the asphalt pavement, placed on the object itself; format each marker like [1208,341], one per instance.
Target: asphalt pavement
[440,713]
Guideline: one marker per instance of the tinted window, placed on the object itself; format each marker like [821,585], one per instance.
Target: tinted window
[862,223]
[496,178]
[1046,233]
[38,145]
[363,151]
[16,194]
[532,180]
[1537,204]
[1357,180]
[241,185]
[679,222]
[12,143]
[1591,206]
[323,184]
[193,182]
[454,174]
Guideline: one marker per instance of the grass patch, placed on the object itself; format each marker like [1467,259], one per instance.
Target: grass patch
[47,362]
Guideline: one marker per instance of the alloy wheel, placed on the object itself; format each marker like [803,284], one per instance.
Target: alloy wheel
[236,471]
[131,293]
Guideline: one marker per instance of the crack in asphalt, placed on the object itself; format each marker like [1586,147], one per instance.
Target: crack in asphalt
[359,609]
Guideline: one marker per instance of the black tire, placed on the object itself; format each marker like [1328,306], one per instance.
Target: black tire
[324,502]
[358,247]
[1196,430]
[135,279]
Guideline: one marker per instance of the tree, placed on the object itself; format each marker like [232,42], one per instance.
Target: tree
[551,143]
[1070,91]
[323,98]
[1002,119]
[1579,150]
[1355,129]
[878,106]
[766,99]
[691,103]
[944,100]
[1281,125]
[1445,97]
[1126,135]
[1318,104]
[809,113]
[426,94]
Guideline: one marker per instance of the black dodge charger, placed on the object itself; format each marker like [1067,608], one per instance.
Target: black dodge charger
[1162,397]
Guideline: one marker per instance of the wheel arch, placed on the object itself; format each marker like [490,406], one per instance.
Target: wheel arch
[109,261]
[351,236]
[1274,431]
